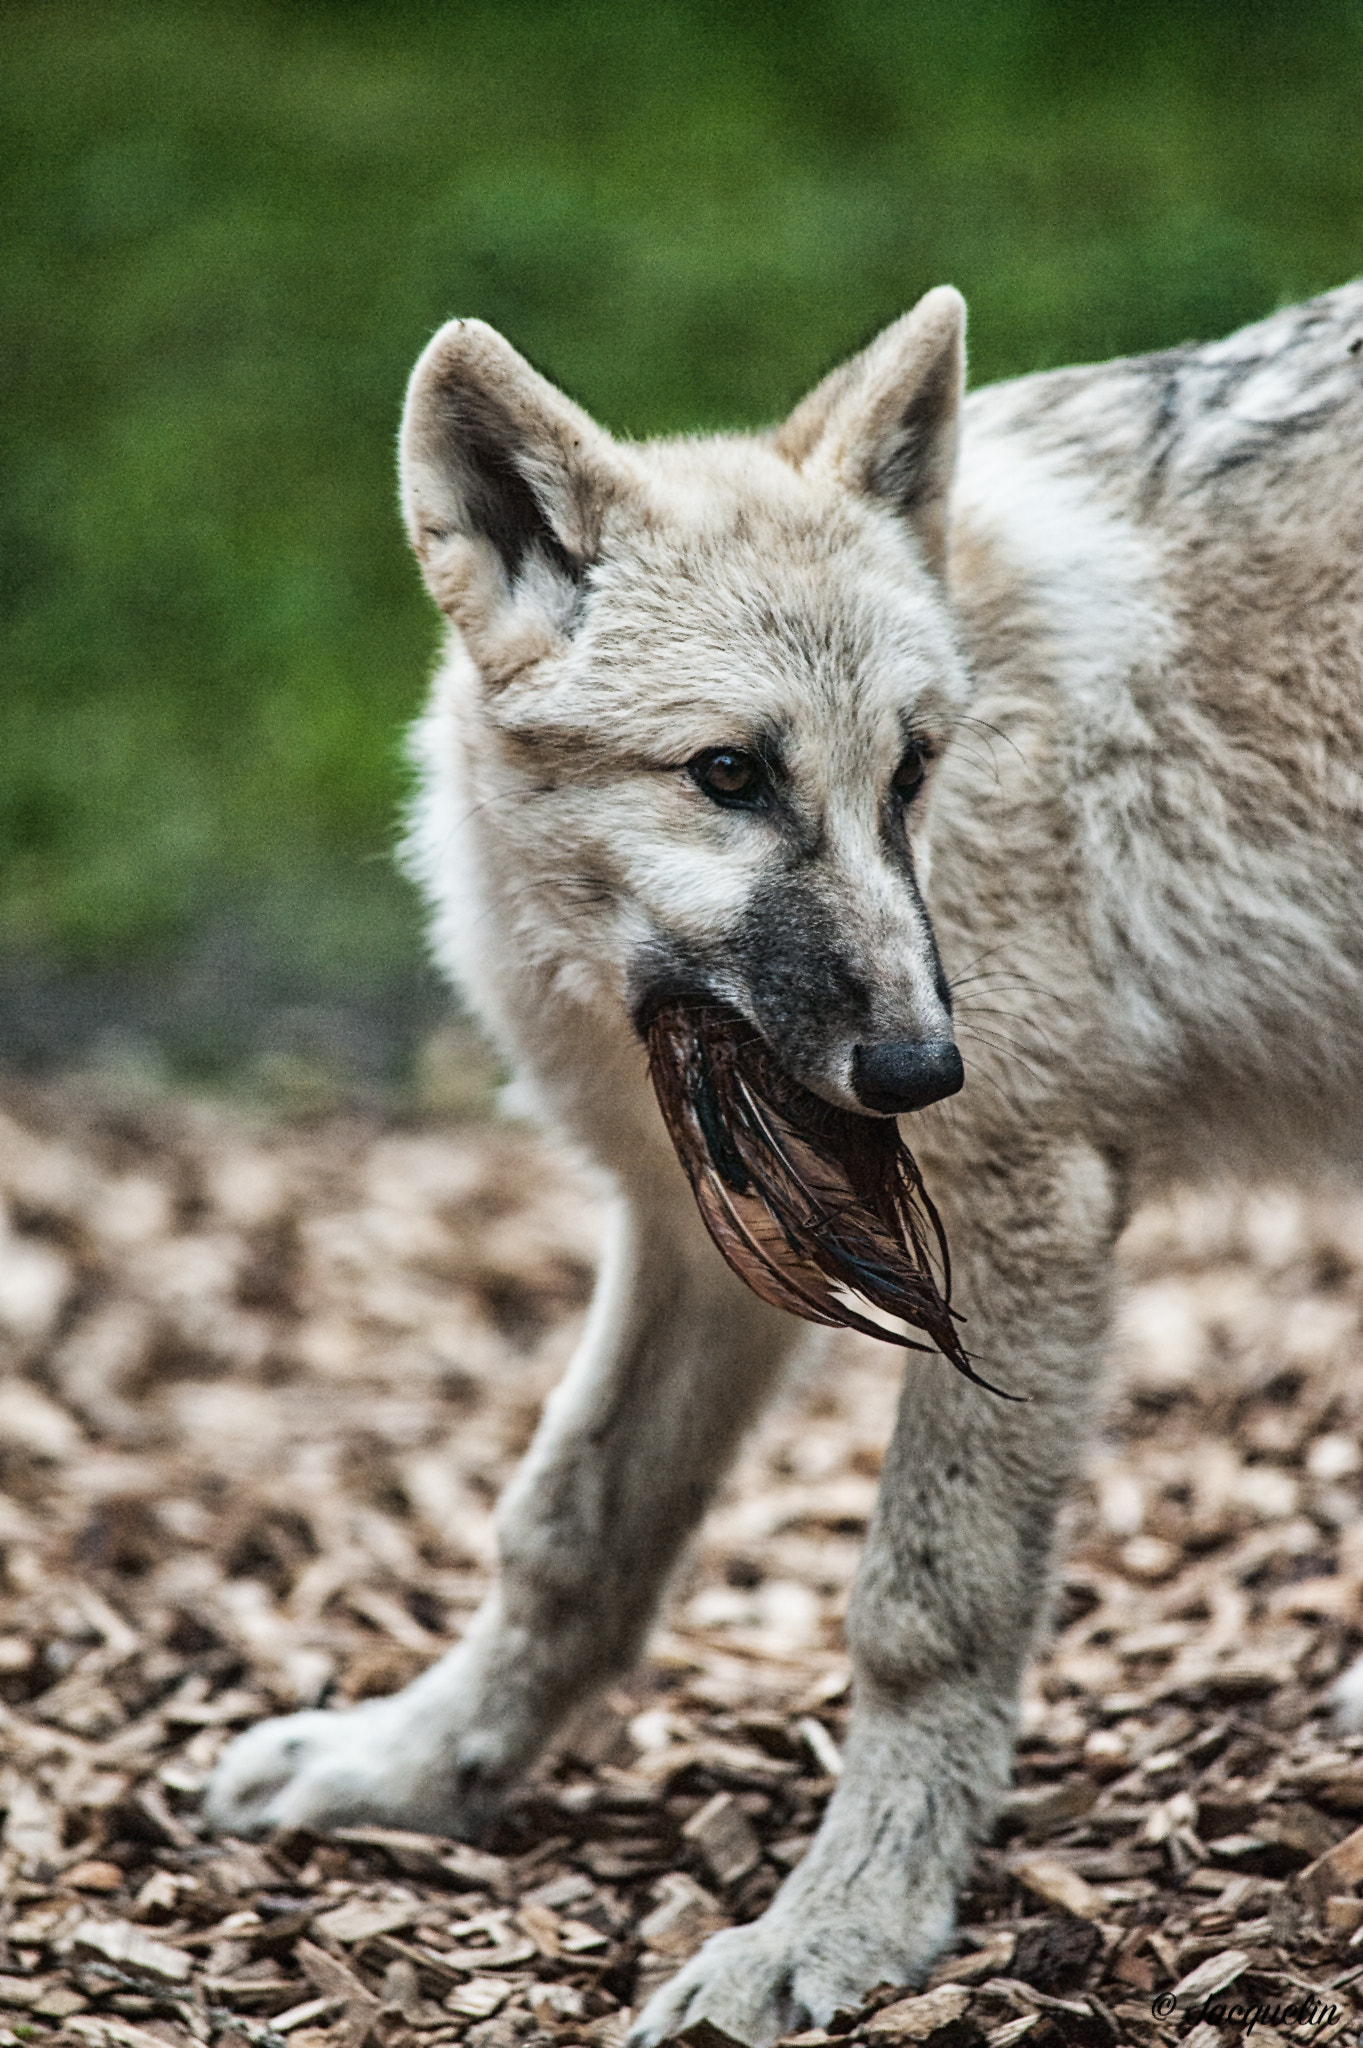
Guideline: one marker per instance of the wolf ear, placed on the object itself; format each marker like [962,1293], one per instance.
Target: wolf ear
[886,422]
[491,453]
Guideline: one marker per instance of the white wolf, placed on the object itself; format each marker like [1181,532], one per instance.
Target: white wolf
[834,726]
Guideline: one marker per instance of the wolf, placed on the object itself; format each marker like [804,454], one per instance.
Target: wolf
[1017,736]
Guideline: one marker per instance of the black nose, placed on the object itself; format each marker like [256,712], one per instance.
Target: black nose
[907,1073]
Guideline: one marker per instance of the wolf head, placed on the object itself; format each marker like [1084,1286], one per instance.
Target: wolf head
[704,685]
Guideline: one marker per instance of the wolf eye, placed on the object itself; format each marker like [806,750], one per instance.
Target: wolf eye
[729,775]
[907,779]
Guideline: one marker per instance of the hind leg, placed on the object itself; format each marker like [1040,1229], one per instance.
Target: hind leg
[676,1358]
[946,1607]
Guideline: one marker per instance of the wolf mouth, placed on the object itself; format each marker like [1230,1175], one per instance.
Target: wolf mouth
[820,1211]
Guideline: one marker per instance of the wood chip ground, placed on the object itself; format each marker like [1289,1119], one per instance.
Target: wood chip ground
[260,1386]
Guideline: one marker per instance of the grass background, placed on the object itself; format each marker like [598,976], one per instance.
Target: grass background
[225,233]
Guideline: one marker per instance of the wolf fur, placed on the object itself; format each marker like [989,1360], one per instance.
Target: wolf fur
[1123,629]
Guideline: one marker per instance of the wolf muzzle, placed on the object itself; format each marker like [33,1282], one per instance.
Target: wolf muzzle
[906,1074]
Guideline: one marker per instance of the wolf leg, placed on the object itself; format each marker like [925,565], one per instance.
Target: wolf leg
[676,1358]
[945,1610]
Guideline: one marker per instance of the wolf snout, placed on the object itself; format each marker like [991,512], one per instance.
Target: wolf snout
[906,1073]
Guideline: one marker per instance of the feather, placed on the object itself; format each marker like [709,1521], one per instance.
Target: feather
[819,1210]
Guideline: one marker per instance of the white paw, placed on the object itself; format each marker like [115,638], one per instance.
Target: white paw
[324,1770]
[794,1968]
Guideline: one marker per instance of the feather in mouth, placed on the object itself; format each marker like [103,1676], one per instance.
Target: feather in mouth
[820,1211]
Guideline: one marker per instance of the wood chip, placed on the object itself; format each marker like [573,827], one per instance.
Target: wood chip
[59,2002]
[992,1960]
[705,2034]
[915,2019]
[1340,1787]
[725,1837]
[1059,1885]
[335,1979]
[1056,1955]
[1012,2030]
[541,1924]
[93,1877]
[33,1825]
[1338,1870]
[1039,1809]
[478,1869]
[683,1917]
[479,1998]
[1211,1976]
[22,1991]
[113,2033]
[430,1855]
[445,1968]
[132,1948]
[576,1938]
[822,1747]
[309,2014]
[249,1993]
[362,1919]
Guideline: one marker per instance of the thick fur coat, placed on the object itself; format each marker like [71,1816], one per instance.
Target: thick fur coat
[1034,721]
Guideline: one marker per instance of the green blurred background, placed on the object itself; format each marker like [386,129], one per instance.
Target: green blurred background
[227,232]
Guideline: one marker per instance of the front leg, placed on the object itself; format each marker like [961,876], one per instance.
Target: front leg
[951,1591]
[676,1358]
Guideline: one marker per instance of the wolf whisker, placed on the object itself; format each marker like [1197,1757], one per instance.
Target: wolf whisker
[995,731]
[1003,1048]
[1039,1032]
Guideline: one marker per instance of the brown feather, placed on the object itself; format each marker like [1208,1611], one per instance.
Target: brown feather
[821,1211]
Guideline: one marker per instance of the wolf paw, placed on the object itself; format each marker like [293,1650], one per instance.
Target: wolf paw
[773,1978]
[324,1770]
